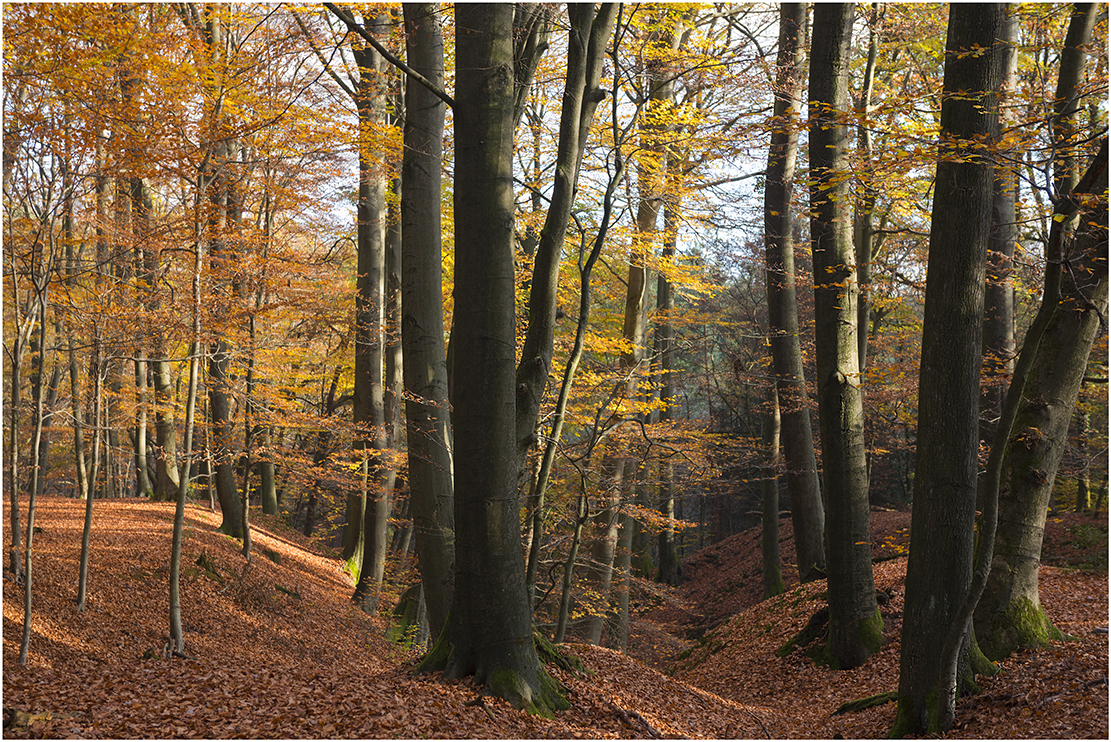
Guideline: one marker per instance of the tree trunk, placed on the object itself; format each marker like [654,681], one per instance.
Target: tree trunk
[769,496]
[489,633]
[369,403]
[799,459]
[941,551]
[428,425]
[999,299]
[855,625]
[586,48]
[669,570]
[1010,615]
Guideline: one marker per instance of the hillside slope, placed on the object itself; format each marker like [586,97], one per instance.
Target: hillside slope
[280,651]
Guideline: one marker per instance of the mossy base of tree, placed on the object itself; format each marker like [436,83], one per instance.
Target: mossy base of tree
[409,623]
[549,654]
[543,698]
[814,630]
[1022,626]
[542,695]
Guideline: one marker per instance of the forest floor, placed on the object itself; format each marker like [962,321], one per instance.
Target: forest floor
[278,651]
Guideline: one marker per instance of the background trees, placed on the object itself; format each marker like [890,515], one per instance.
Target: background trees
[184,190]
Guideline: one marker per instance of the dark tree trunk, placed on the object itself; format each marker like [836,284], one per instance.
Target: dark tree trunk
[489,633]
[855,625]
[940,567]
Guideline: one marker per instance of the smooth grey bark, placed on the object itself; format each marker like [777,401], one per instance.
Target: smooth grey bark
[489,633]
[855,625]
[797,438]
[769,499]
[1055,350]
[939,571]
[999,299]
[428,424]
[369,394]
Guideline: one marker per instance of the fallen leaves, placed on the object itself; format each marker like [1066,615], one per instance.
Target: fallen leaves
[272,665]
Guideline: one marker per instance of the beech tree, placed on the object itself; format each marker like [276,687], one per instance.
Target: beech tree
[489,630]
[855,625]
[796,436]
[939,569]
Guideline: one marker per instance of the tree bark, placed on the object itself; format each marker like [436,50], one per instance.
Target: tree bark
[428,425]
[855,625]
[769,497]
[999,299]
[489,633]
[1010,615]
[369,405]
[797,438]
[940,568]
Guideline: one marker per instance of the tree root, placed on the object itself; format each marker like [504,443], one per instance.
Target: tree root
[866,703]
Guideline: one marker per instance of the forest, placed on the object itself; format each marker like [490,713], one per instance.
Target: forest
[514,319]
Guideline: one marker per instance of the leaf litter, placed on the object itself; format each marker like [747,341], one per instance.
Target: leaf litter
[277,650]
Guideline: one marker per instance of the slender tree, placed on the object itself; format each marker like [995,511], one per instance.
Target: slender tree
[428,424]
[797,438]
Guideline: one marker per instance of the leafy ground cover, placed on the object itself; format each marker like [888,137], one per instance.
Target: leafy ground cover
[277,650]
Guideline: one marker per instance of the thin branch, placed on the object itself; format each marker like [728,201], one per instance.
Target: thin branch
[369,37]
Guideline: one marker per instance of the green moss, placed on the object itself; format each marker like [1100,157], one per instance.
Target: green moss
[870,631]
[860,704]
[507,683]
[550,654]
[1022,626]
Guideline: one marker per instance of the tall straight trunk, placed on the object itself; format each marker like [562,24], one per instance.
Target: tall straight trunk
[622,565]
[799,459]
[50,396]
[369,406]
[25,641]
[999,297]
[490,632]
[864,228]
[428,425]
[669,570]
[855,625]
[941,552]
[97,372]
[1010,615]
[769,500]
[139,440]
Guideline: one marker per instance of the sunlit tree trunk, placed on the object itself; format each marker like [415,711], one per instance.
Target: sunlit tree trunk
[428,425]
[1009,615]
[855,625]
[999,299]
[369,407]
[941,551]
[797,438]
